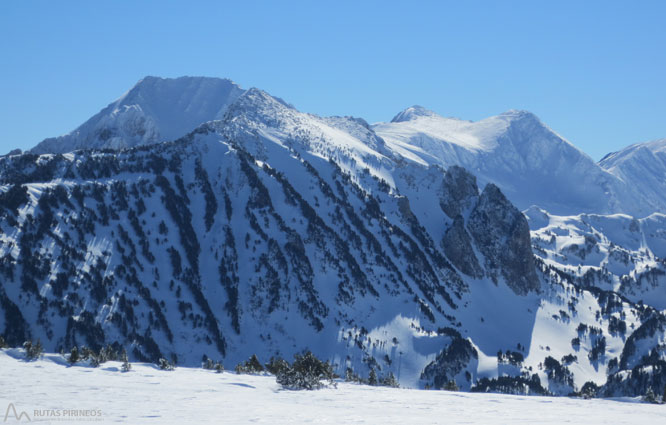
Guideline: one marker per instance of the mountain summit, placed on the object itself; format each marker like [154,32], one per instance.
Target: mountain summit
[154,110]
[413,112]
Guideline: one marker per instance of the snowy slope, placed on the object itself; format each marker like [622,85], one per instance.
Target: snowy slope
[643,166]
[615,252]
[154,110]
[532,164]
[148,395]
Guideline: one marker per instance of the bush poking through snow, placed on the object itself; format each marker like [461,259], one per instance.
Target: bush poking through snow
[306,373]
[451,386]
[165,364]
[372,377]
[650,396]
[589,390]
[3,343]
[251,366]
[32,350]
[390,381]
[209,364]
[276,365]
[73,355]
[126,366]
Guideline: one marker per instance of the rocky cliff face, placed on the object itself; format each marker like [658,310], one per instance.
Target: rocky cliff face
[503,236]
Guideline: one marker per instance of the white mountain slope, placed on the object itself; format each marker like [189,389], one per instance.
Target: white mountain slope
[154,110]
[532,164]
[612,252]
[643,166]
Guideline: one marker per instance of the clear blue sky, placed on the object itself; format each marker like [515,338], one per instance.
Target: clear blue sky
[594,71]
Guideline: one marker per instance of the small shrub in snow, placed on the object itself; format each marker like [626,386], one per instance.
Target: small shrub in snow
[3,343]
[372,377]
[209,364]
[107,354]
[451,386]
[85,353]
[351,376]
[251,365]
[390,381]
[32,349]
[306,373]
[126,366]
[589,390]
[164,364]
[73,355]
[276,365]
[650,396]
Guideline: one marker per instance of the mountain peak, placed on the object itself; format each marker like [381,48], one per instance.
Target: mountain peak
[412,113]
[519,115]
[154,110]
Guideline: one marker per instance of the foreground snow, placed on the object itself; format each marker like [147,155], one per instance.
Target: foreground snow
[149,395]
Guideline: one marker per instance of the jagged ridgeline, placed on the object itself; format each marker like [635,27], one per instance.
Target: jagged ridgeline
[273,232]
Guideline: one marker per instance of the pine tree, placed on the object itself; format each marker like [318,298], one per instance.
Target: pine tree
[251,365]
[276,365]
[389,381]
[306,372]
[74,355]
[32,349]
[650,396]
[164,364]
[127,366]
[451,386]
[372,378]
[349,375]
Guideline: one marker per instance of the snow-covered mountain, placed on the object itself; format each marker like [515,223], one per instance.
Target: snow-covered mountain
[642,166]
[531,163]
[154,110]
[613,252]
[271,231]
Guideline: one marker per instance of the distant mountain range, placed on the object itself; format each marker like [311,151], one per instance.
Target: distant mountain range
[531,163]
[194,219]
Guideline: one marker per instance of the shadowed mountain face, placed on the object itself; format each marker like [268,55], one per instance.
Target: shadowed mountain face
[271,231]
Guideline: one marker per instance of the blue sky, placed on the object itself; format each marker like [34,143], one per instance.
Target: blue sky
[594,71]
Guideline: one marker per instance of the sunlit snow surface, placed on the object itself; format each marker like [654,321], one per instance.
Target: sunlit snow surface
[197,396]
